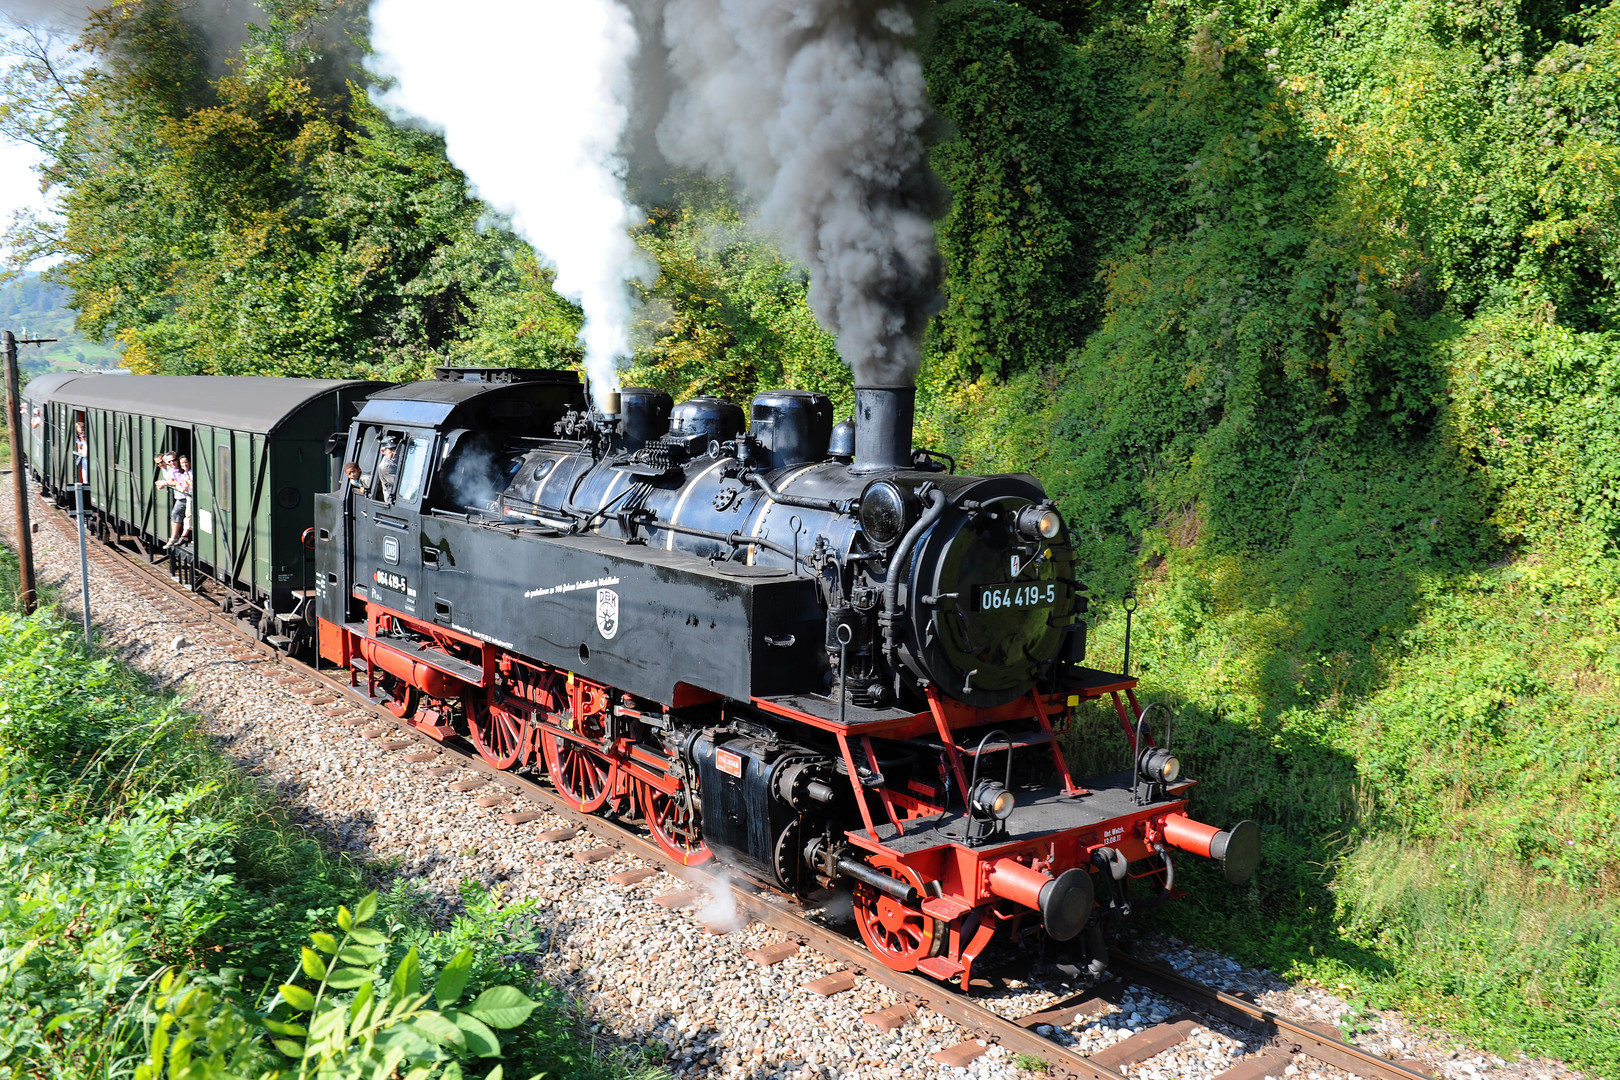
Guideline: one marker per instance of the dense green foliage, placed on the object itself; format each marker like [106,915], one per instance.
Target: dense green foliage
[270,219]
[154,898]
[727,314]
[1340,411]
[1305,312]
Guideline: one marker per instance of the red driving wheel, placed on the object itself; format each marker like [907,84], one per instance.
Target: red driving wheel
[899,934]
[582,775]
[500,734]
[673,825]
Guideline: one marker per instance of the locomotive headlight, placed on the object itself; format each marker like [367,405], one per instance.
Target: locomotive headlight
[991,800]
[1039,523]
[885,513]
[1160,766]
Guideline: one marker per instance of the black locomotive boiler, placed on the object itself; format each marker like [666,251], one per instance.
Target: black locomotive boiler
[806,649]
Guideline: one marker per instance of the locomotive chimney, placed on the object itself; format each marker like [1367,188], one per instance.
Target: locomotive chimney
[883,427]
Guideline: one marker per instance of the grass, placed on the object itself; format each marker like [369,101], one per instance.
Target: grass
[136,853]
[1439,813]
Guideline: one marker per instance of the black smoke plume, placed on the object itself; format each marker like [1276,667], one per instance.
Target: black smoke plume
[819,110]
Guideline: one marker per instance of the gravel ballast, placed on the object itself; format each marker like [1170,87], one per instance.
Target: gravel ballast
[656,983]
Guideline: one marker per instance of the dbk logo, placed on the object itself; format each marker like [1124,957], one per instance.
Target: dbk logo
[607,612]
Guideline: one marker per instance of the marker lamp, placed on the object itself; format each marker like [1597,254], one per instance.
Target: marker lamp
[1160,766]
[993,801]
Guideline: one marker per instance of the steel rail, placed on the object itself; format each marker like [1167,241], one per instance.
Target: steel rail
[917,992]
[1320,1041]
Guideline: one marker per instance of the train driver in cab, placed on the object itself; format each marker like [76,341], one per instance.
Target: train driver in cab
[388,469]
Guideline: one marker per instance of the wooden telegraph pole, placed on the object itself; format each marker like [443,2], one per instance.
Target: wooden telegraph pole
[19,479]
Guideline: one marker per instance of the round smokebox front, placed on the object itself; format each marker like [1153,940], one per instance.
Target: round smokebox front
[1000,601]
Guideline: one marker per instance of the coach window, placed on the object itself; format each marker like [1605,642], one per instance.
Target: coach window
[366,457]
[414,470]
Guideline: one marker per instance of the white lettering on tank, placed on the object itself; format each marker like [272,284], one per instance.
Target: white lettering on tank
[572,586]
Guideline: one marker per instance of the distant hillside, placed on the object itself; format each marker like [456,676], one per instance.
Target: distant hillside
[39,307]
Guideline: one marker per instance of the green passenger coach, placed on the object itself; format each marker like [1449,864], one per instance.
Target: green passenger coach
[257,446]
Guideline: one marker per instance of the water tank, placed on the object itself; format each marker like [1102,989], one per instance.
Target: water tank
[791,427]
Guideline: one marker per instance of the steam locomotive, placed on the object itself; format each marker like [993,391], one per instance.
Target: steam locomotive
[803,648]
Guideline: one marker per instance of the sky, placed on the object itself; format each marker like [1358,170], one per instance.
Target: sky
[19,184]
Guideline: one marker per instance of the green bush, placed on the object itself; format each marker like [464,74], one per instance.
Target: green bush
[1306,314]
[349,1021]
[152,898]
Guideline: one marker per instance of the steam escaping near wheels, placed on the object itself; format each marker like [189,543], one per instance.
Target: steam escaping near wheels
[533,100]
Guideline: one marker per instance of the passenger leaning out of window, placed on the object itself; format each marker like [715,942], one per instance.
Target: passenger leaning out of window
[81,453]
[168,470]
[180,516]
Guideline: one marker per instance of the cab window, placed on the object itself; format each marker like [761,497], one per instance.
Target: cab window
[385,477]
[413,472]
[370,441]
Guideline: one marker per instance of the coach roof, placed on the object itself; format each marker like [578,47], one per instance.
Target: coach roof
[257,403]
[41,387]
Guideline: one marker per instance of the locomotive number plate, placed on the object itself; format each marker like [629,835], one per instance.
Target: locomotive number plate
[390,580]
[1001,597]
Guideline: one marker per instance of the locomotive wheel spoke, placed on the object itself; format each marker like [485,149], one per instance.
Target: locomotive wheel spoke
[582,776]
[672,826]
[500,736]
[899,934]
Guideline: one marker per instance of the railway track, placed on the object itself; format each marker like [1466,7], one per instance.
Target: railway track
[1284,1038]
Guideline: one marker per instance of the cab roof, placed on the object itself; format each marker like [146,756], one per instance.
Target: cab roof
[431,402]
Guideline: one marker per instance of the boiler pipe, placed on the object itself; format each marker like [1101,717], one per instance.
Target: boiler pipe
[900,564]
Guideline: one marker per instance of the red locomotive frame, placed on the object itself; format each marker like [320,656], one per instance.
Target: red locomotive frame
[518,710]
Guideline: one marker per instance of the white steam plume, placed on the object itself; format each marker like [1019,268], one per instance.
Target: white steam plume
[820,110]
[533,99]
[719,909]
[70,13]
